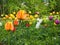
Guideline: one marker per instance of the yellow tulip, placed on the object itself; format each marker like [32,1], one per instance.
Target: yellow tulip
[53,12]
[50,13]
[36,15]
[31,16]
[12,16]
[14,12]
[57,13]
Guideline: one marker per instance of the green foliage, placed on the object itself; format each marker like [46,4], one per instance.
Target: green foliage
[57,8]
[31,36]
[30,5]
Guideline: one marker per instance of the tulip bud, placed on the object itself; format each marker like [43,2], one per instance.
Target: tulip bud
[50,17]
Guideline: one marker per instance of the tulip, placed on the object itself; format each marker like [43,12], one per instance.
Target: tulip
[36,15]
[57,13]
[12,16]
[53,12]
[25,16]
[21,14]
[16,22]
[39,22]
[50,17]
[57,21]
[31,16]
[14,12]
[50,13]
[27,25]
[9,26]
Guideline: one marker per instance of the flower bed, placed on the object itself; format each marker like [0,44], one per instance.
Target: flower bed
[22,28]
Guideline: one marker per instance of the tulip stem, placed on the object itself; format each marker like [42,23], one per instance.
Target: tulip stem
[8,38]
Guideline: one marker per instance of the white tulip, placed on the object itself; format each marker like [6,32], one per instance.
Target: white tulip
[39,22]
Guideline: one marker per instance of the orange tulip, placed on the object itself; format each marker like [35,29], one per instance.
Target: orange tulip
[21,14]
[16,22]
[25,16]
[9,26]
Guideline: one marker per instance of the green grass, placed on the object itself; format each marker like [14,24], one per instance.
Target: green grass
[31,36]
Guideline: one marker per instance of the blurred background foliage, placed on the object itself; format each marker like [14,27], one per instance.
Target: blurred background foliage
[43,6]
[57,5]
